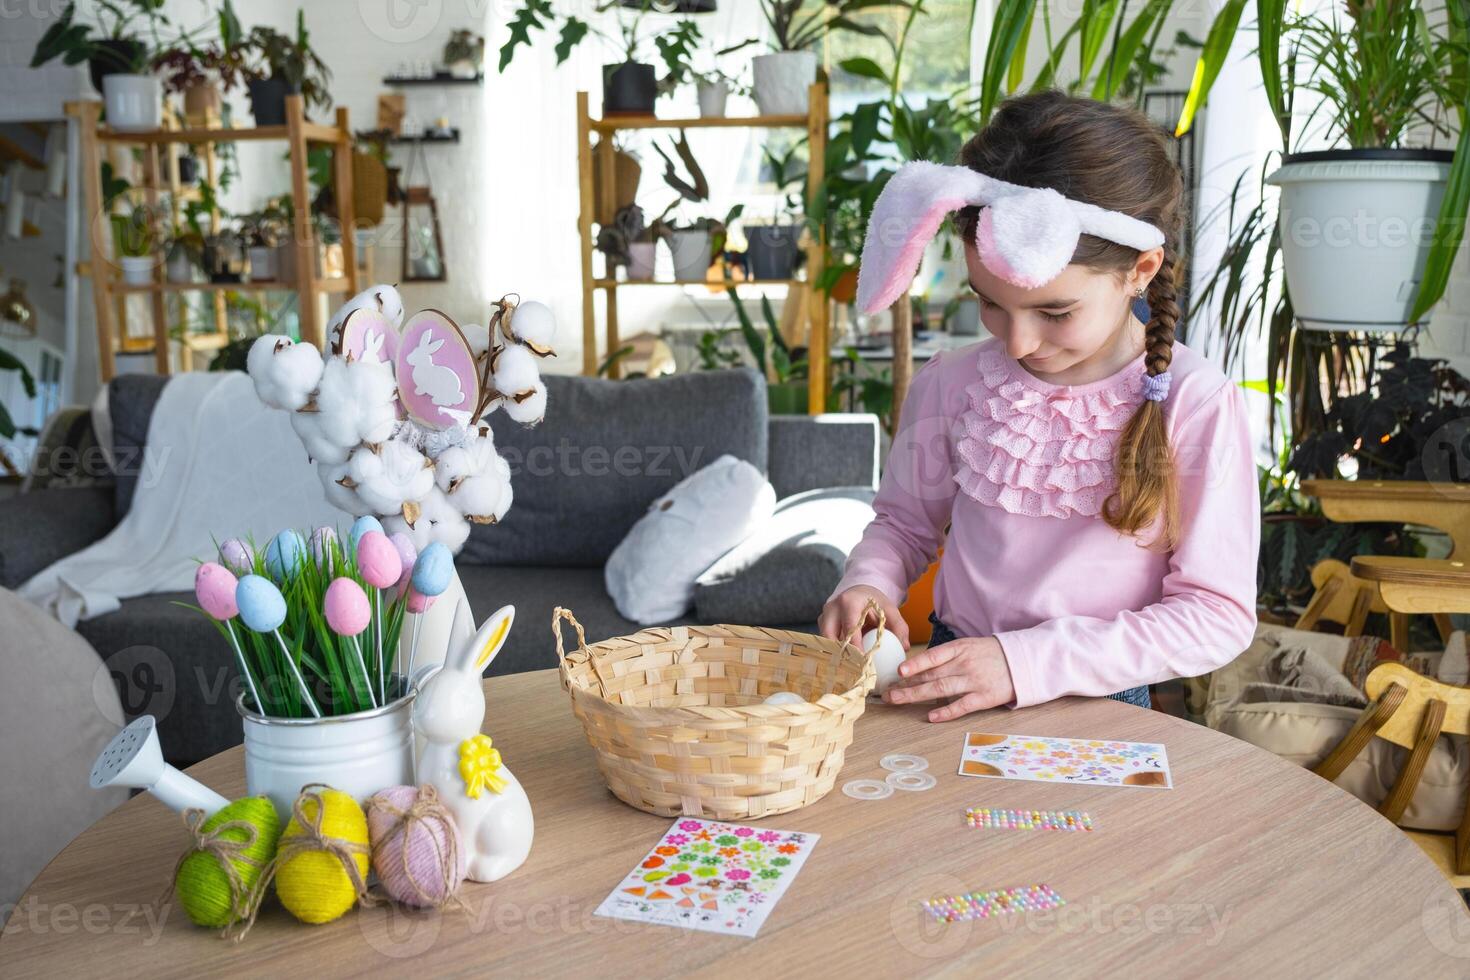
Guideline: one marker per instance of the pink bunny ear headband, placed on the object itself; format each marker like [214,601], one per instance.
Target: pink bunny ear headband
[1025,235]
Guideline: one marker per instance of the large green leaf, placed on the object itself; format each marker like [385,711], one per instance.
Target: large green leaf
[865,68]
[1125,51]
[572,33]
[1449,230]
[1270,16]
[1012,18]
[1211,60]
[1016,71]
[531,17]
[1097,18]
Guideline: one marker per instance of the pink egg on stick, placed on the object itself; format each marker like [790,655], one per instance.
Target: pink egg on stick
[348,614]
[380,564]
[214,587]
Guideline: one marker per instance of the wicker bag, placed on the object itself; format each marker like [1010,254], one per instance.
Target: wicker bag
[676,718]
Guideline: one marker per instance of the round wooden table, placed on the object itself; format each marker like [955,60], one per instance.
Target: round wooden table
[1249,865]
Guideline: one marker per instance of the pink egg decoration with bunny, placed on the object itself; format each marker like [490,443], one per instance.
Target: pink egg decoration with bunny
[346,607]
[214,586]
[416,848]
[378,560]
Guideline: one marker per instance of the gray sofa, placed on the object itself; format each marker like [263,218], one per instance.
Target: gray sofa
[581,479]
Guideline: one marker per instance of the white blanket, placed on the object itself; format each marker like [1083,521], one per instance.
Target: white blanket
[219,464]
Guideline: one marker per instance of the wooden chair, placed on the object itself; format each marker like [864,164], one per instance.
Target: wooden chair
[1410,710]
[1345,597]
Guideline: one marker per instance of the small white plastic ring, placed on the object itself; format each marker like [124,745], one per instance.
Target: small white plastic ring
[912,782]
[904,763]
[867,789]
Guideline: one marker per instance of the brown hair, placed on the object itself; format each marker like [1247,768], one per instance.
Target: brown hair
[1116,158]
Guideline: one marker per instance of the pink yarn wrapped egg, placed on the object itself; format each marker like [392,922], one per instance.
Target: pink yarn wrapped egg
[378,560]
[346,607]
[415,844]
[214,587]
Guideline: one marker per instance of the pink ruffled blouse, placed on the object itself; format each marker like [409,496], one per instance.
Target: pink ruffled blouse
[1019,468]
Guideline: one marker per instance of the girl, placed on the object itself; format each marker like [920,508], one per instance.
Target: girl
[1096,477]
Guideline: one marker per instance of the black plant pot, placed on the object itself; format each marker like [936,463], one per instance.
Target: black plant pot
[772,251]
[114,56]
[628,89]
[188,169]
[268,100]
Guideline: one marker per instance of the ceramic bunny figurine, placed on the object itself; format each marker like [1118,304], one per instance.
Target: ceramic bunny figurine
[489,807]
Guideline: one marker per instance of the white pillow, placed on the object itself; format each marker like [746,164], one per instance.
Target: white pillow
[651,572]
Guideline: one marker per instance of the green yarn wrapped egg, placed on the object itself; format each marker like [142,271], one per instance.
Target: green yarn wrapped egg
[210,895]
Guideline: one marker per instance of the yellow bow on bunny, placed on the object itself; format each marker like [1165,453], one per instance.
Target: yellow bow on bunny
[478,762]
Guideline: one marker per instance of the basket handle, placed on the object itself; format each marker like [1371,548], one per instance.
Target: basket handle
[857,628]
[855,633]
[557,615]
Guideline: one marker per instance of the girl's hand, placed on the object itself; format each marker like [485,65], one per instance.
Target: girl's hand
[971,670]
[842,612]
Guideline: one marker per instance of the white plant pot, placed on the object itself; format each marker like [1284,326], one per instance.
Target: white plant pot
[690,248]
[783,82]
[358,754]
[180,267]
[641,256]
[712,99]
[262,262]
[137,270]
[134,103]
[1355,235]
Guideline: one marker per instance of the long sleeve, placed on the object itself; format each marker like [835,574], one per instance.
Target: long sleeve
[1206,613]
[916,494]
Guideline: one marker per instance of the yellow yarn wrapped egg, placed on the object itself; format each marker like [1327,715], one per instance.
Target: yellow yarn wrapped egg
[322,861]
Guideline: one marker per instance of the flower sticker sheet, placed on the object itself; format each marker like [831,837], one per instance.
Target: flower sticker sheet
[1066,760]
[711,876]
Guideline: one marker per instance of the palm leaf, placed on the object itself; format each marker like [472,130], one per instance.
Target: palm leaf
[1211,60]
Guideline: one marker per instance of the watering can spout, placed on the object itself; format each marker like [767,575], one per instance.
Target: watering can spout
[133,758]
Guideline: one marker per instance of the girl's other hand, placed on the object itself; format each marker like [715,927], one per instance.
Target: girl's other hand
[843,611]
[971,670]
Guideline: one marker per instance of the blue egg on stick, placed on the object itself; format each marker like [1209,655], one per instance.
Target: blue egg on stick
[262,607]
[362,526]
[284,555]
[433,570]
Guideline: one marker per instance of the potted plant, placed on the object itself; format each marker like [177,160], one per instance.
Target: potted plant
[615,240]
[694,246]
[464,54]
[629,87]
[186,72]
[1383,73]
[261,233]
[783,77]
[773,250]
[184,260]
[224,257]
[117,49]
[786,387]
[284,65]
[136,236]
[713,88]
[627,173]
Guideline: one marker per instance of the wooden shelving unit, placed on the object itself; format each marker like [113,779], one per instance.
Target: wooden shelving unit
[814,122]
[109,292]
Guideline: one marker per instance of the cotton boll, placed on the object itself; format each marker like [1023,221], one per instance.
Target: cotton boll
[477,337]
[344,498]
[534,325]
[355,402]
[437,521]
[530,410]
[319,445]
[515,371]
[285,373]
[382,298]
[482,499]
[390,477]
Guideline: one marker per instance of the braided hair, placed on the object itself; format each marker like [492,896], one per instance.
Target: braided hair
[1116,158]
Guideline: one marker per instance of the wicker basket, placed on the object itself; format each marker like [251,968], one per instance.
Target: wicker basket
[675,715]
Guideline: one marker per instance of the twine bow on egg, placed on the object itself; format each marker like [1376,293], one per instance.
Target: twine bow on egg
[426,812]
[226,851]
[478,762]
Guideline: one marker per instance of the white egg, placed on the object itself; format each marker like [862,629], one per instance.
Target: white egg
[886,658]
[785,697]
